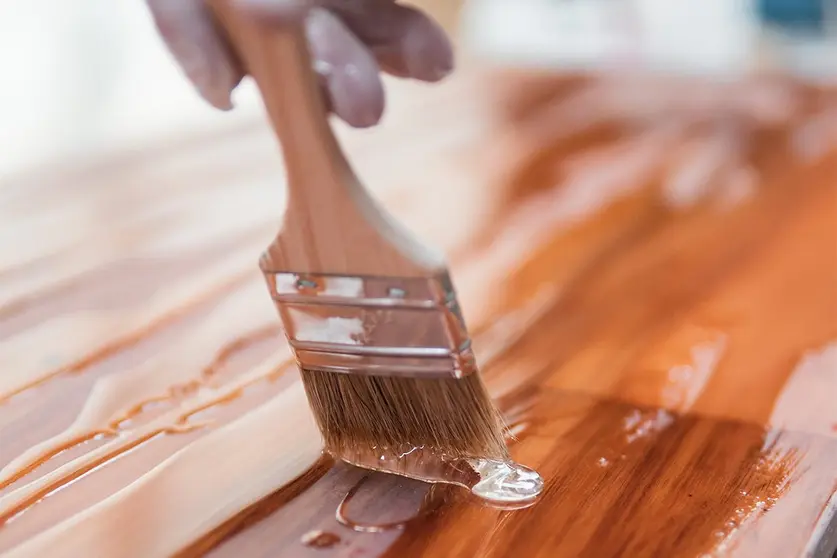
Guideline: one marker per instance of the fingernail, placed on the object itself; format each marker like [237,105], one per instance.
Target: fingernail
[362,115]
[425,66]
[221,101]
[440,71]
[215,95]
[201,74]
[369,118]
[444,65]
[284,10]
[421,69]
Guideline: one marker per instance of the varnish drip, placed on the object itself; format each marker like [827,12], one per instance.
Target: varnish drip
[358,511]
[80,444]
[320,539]
[118,343]
[500,483]
[180,421]
[27,504]
[154,407]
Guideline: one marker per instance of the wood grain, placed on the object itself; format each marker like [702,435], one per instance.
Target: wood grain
[650,275]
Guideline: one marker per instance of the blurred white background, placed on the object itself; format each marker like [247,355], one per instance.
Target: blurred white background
[88,76]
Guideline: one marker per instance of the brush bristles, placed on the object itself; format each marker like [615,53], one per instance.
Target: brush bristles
[454,417]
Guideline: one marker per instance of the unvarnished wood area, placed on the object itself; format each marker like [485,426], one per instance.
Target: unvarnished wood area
[649,274]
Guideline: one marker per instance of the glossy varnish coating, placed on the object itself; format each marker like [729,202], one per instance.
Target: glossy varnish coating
[651,286]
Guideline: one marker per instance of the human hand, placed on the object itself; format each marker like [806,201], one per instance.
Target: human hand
[351,42]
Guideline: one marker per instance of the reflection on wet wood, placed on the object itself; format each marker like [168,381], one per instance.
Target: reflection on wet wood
[649,273]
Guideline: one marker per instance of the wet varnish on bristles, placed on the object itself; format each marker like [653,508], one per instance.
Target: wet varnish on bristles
[454,416]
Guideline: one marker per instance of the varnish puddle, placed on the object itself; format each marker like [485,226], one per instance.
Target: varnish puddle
[380,502]
[503,484]
[320,539]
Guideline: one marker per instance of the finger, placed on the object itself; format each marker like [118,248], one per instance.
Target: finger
[189,31]
[405,41]
[350,73]
[346,70]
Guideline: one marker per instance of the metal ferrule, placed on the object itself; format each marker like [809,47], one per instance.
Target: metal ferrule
[388,326]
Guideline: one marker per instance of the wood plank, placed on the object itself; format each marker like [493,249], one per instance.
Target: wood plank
[651,288]
[624,480]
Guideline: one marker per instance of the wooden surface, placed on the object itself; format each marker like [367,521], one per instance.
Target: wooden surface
[650,277]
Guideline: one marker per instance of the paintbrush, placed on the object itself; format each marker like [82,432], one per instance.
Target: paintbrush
[371,314]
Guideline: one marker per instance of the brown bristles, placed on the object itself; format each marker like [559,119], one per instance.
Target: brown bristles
[454,417]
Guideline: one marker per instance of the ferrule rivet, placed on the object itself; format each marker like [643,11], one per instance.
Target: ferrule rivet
[302,284]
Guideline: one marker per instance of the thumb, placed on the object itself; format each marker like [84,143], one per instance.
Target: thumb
[189,32]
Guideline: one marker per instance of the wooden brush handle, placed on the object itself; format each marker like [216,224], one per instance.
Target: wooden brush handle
[277,57]
[331,224]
